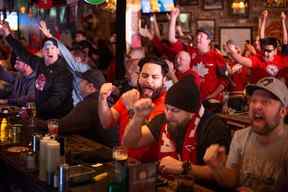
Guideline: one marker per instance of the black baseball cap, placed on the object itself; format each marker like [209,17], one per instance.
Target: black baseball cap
[50,41]
[93,76]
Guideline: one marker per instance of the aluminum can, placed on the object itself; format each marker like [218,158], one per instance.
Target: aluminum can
[63,177]
[35,143]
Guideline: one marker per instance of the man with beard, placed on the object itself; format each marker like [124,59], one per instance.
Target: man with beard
[182,133]
[258,156]
[53,93]
[151,80]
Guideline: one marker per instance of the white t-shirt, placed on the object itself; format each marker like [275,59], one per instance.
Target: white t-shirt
[262,167]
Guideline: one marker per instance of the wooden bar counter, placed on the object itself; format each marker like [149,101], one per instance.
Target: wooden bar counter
[15,174]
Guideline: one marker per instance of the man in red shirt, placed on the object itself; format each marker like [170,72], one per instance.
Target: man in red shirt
[266,64]
[207,62]
[151,80]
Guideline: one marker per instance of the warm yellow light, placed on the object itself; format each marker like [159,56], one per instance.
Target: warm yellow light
[22,9]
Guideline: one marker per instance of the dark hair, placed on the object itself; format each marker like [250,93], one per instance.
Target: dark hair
[80,32]
[268,41]
[155,60]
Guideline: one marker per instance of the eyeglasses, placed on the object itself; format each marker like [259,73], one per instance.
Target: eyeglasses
[268,50]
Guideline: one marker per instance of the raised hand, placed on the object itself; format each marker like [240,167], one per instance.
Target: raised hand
[143,107]
[43,28]
[5,28]
[215,156]
[106,90]
[145,32]
[130,97]
[283,15]
[265,14]
[230,47]
[175,13]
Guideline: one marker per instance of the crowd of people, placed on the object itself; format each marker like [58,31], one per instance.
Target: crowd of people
[164,109]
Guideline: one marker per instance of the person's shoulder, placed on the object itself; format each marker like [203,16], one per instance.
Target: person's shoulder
[243,133]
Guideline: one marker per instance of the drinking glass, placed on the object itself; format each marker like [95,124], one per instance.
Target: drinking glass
[120,153]
[53,127]
[31,111]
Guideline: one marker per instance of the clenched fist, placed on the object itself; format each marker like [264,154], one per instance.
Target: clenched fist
[106,90]
[143,107]
[130,97]
[215,156]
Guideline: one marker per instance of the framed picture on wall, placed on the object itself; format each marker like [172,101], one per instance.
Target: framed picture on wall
[213,4]
[184,20]
[188,2]
[239,36]
[276,3]
[207,23]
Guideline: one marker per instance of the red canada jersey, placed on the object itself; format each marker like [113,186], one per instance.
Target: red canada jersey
[262,68]
[208,66]
[240,78]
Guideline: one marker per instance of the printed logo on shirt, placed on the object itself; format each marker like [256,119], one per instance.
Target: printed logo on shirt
[193,56]
[40,82]
[201,69]
[272,70]
[190,147]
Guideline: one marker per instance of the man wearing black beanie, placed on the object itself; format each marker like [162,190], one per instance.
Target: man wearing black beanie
[183,132]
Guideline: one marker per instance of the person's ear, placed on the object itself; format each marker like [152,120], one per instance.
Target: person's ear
[283,111]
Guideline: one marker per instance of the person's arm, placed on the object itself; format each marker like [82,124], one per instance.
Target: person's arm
[230,48]
[216,92]
[108,116]
[136,134]
[171,73]
[72,63]
[215,158]
[18,48]
[284,27]
[263,24]
[155,26]
[6,75]
[172,25]
[69,58]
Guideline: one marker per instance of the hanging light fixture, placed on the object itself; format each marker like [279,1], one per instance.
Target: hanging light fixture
[239,6]
[110,5]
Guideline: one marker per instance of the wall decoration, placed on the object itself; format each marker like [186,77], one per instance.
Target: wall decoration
[188,2]
[276,3]
[184,20]
[213,4]
[239,35]
[207,23]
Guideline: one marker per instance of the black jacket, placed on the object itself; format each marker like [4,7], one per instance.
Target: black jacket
[84,120]
[55,99]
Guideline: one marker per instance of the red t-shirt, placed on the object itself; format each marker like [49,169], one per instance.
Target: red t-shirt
[143,154]
[261,68]
[197,79]
[164,49]
[208,66]
[239,78]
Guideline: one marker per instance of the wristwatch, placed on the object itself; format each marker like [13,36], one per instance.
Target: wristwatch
[186,167]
